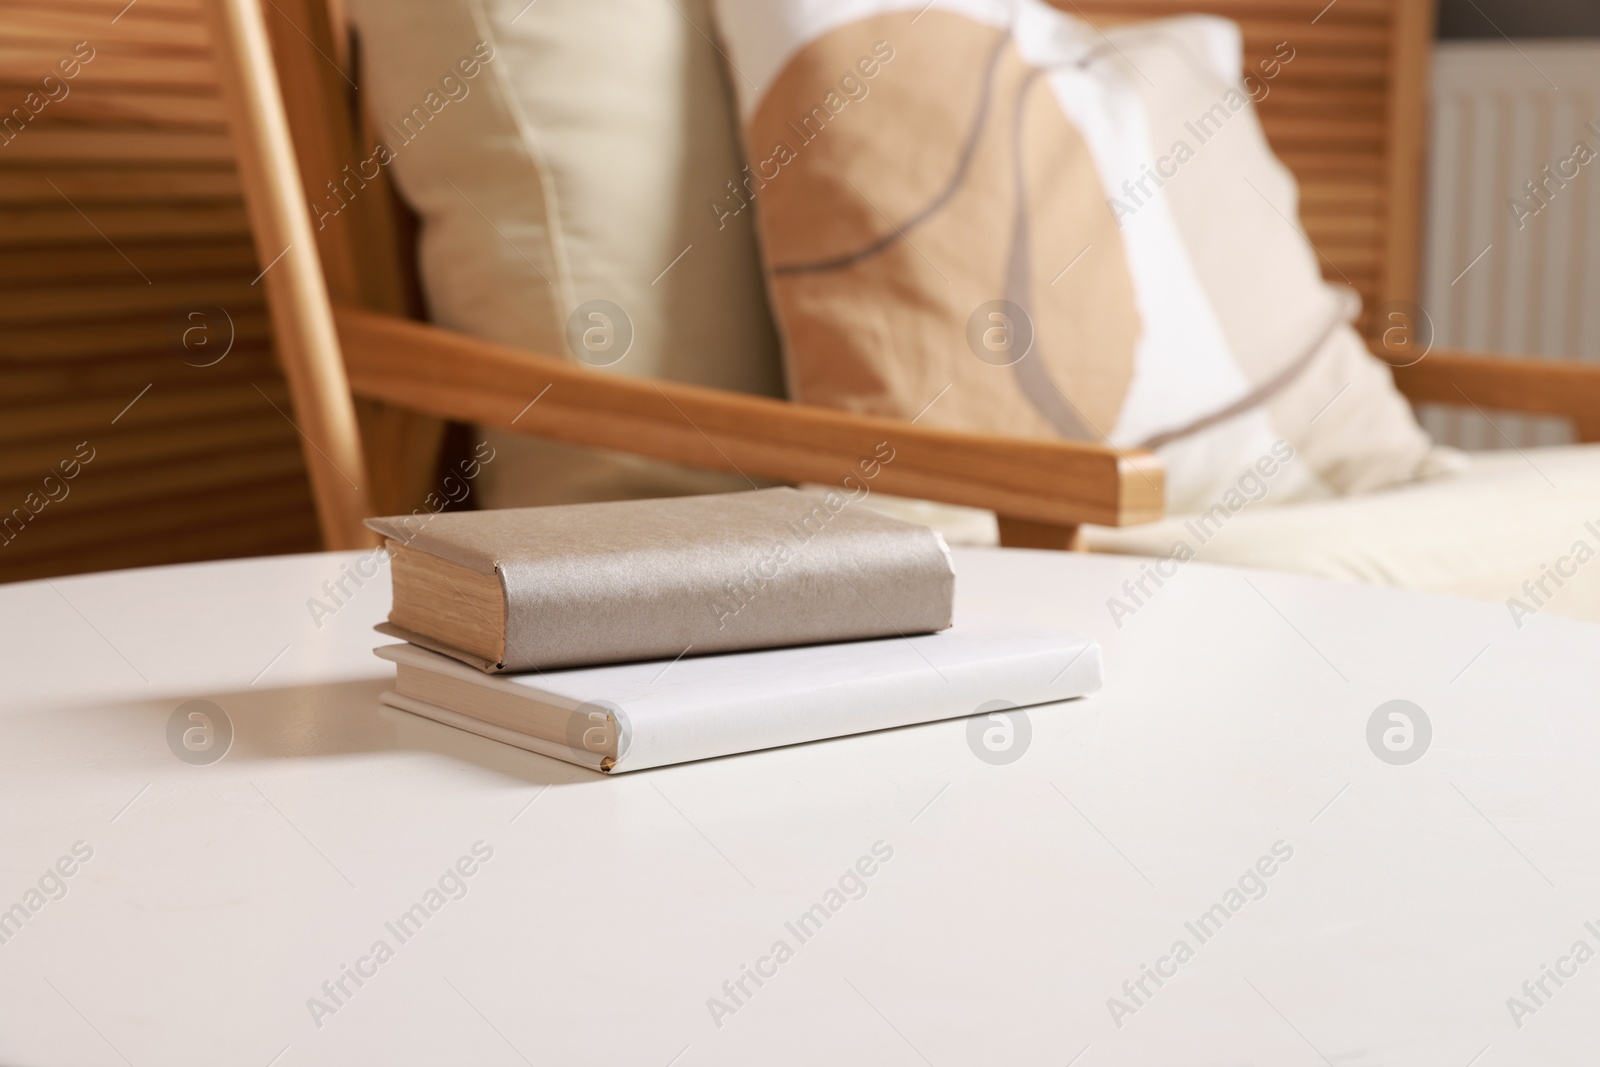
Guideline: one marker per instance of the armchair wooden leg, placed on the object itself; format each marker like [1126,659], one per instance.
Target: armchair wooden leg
[402,450]
[1025,533]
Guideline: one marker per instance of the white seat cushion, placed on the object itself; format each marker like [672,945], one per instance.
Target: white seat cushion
[1480,533]
[1512,526]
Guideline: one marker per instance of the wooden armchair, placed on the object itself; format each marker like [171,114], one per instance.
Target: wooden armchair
[372,386]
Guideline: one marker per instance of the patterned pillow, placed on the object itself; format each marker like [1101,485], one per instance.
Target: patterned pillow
[1009,221]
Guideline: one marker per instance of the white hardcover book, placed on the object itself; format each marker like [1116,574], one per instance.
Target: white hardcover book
[630,716]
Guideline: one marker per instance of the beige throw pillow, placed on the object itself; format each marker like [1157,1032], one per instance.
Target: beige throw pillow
[574,167]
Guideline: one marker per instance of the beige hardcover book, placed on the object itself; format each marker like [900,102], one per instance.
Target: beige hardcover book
[543,588]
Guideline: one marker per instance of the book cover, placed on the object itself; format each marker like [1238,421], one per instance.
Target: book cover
[650,579]
[631,716]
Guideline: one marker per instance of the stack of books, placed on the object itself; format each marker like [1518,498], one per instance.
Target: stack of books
[627,635]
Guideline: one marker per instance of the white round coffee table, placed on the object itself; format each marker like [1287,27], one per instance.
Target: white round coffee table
[1205,863]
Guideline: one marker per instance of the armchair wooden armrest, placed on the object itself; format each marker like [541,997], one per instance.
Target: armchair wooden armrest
[1532,386]
[1041,489]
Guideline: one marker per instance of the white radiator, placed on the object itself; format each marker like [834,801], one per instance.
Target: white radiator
[1511,255]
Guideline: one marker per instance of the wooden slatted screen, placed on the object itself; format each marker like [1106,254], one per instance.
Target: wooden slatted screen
[122,227]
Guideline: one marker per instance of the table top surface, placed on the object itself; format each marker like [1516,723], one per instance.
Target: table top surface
[1207,862]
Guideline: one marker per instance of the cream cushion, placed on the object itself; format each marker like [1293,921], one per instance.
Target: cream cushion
[1482,533]
[580,163]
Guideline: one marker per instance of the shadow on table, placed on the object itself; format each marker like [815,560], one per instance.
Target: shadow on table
[343,719]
